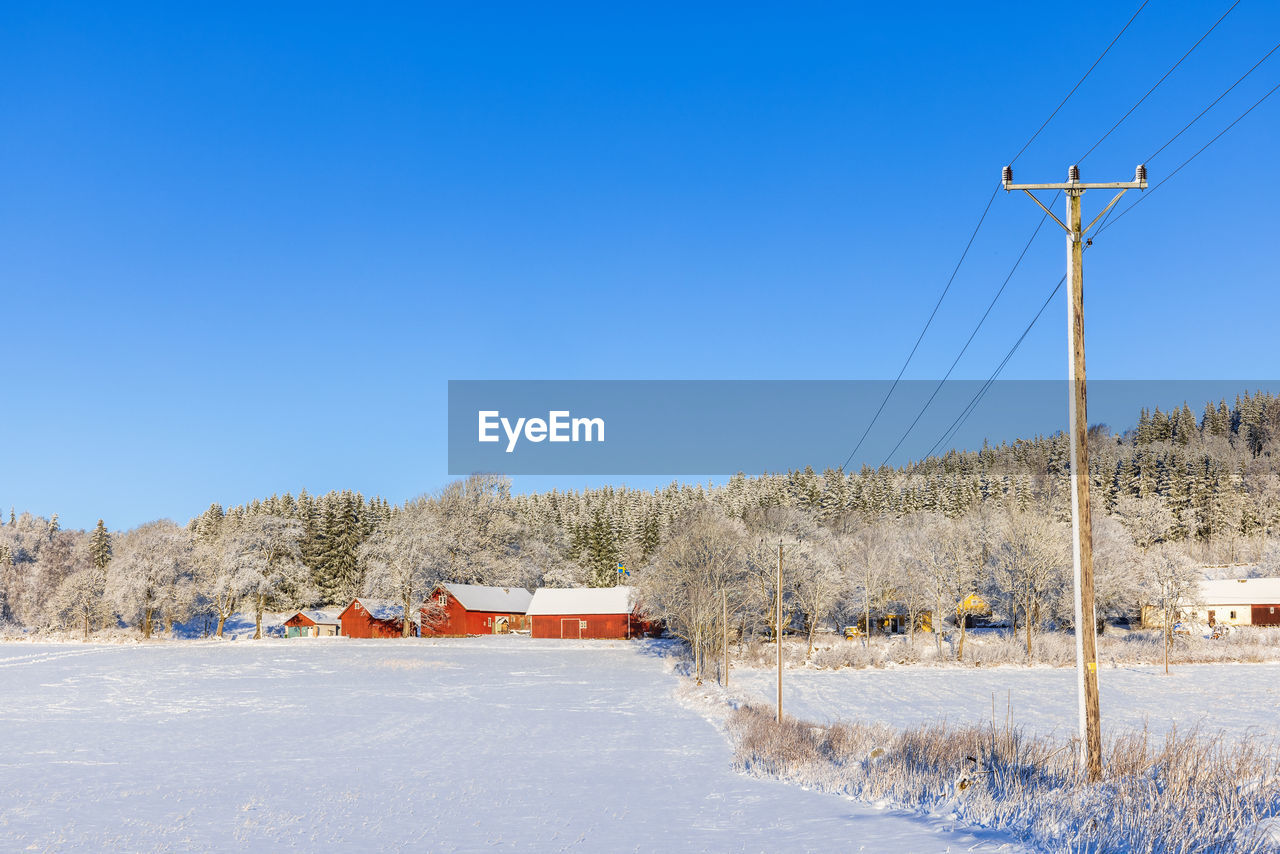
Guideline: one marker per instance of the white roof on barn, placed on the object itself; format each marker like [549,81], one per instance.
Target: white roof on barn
[477,597]
[1244,591]
[384,609]
[582,600]
[321,618]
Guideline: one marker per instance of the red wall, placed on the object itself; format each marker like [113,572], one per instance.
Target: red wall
[459,621]
[299,620]
[598,626]
[358,624]
[1265,615]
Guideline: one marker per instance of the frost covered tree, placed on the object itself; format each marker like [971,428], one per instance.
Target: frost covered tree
[948,555]
[818,583]
[263,559]
[865,556]
[217,579]
[1030,567]
[80,602]
[143,578]
[403,560]
[1172,584]
[1116,558]
[1149,522]
[700,561]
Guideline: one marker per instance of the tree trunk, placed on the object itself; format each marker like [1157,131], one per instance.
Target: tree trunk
[222,619]
[1026,617]
[404,633]
[964,626]
[146,623]
[1168,638]
[86,626]
[937,625]
[257,619]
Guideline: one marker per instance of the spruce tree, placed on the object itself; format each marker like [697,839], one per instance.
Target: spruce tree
[100,546]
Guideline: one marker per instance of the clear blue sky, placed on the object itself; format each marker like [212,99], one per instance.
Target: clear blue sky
[244,246]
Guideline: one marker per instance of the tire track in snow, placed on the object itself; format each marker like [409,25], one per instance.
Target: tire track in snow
[40,658]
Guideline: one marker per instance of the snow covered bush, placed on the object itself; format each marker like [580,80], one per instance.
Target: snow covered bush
[1185,793]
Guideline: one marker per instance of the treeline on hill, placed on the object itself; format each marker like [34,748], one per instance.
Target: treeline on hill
[1174,492]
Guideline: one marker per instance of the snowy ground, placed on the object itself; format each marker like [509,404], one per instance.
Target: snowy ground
[1239,700]
[477,744]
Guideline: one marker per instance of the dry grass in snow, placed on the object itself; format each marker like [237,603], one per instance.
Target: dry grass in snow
[1183,793]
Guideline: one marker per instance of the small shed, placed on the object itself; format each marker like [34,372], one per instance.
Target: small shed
[375,618]
[474,609]
[312,624]
[586,612]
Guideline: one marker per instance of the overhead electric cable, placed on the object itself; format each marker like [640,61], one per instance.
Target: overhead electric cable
[1078,82]
[972,335]
[1213,103]
[974,235]
[973,403]
[977,398]
[1172,68]
[927,323]
[1104,224]
[1166,178]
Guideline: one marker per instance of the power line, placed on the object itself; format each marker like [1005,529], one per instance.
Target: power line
[972,335]
[1166,178]
[974,235]
[1213,103]
[927,323]
[1172,68]
[977,398]
[1103,225]
[1078,82]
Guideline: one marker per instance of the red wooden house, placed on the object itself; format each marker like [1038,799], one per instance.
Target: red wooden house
[473,609]
[586,612]
[312,624]
[375,618]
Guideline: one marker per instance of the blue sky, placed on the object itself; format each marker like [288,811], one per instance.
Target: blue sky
[244,247]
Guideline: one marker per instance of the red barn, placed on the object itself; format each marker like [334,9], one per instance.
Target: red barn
[375,618]
[472,609]
[585,612]
[311,624]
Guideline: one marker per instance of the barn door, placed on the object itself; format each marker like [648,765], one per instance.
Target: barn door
[570,628]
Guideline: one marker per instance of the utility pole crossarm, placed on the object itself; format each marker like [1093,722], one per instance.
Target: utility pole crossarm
[1077,185]
[1139,182]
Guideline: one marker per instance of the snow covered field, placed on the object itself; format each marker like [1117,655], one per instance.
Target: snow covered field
[1239,700]
[448,745]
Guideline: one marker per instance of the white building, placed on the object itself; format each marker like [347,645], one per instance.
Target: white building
[1229,601]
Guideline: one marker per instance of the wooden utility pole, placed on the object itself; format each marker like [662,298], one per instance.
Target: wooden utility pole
[724,600]
[778,631]
[1081,522]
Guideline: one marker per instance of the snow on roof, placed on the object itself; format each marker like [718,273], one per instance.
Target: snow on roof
[477,597]
[582,600]
[384,609]
[321,618]
[1243,591]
